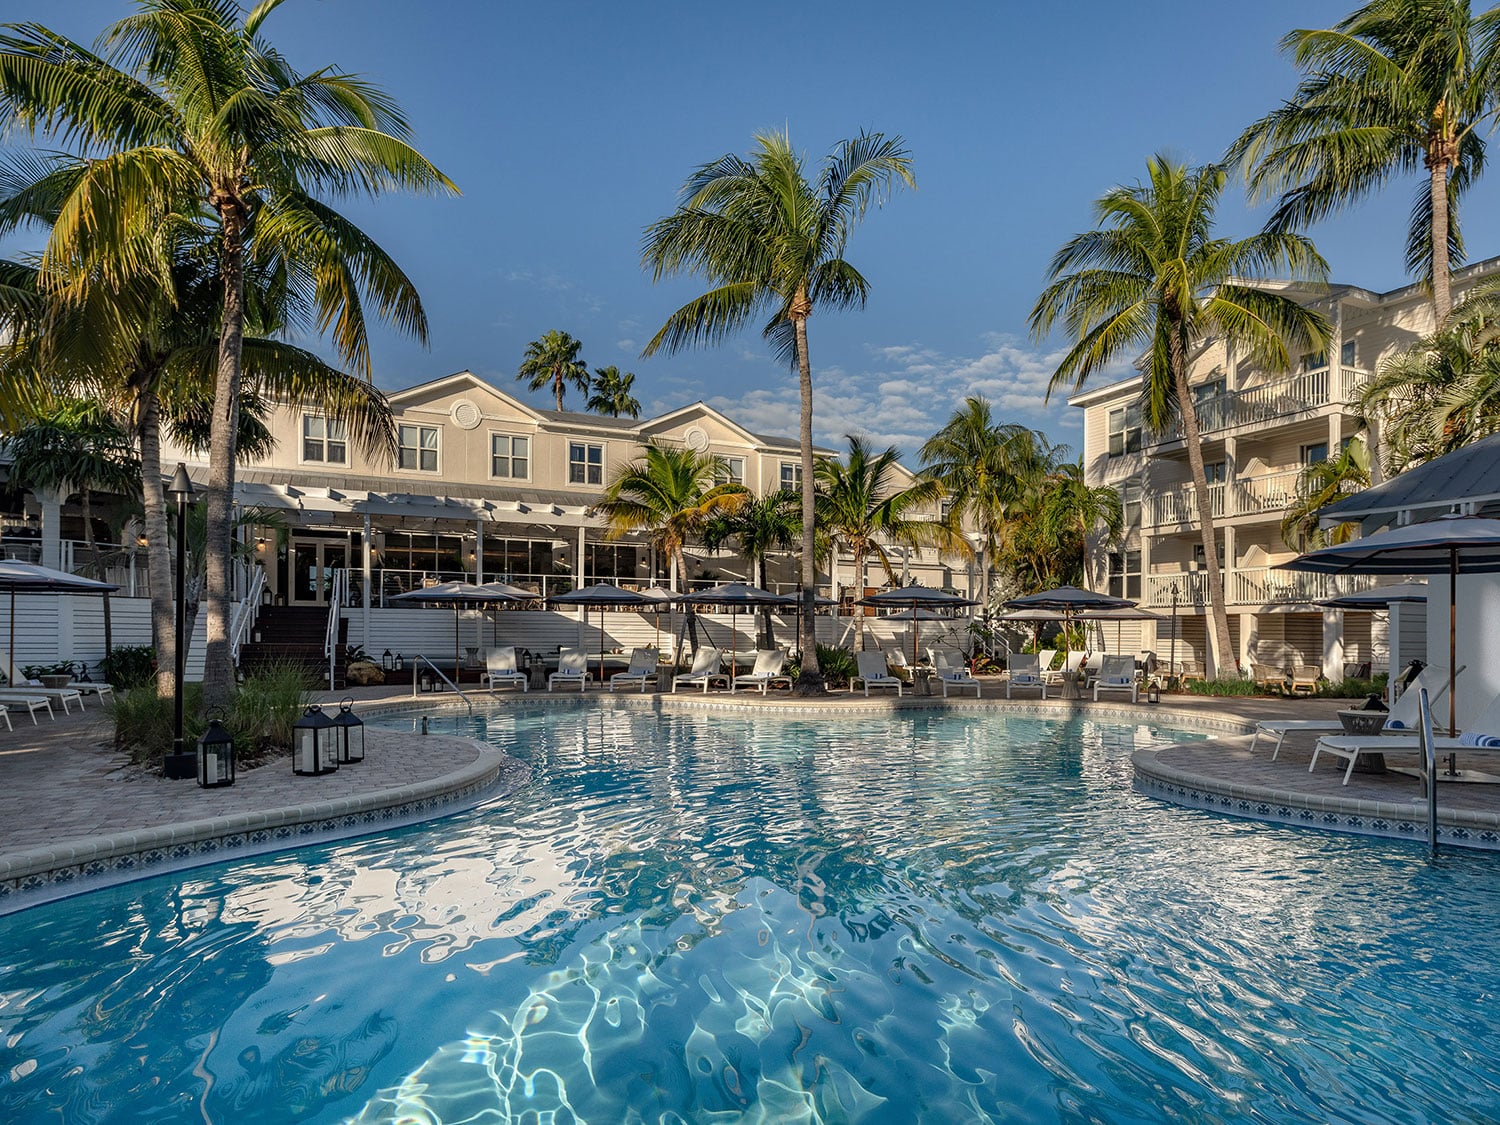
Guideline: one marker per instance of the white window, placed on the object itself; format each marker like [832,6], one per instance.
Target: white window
[791,476]
[1209,388]
[1315,454]
[1215,472]
[510,456]
[733,471]
[1346,353]
[1130,502]
[1124,426]
[324,439]
[417,448]
[1125,574]
[585,463]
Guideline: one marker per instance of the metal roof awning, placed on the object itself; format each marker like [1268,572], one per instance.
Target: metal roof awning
[1468,478]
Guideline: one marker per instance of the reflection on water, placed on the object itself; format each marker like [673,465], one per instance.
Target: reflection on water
[691,917]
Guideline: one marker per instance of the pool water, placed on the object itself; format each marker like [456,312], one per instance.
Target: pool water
[689,917]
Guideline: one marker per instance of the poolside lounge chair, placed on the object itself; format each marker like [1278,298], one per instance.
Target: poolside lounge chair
[767,673]
[1402,717]
[1117,674]
[18,684]
[1025,672]
[872,673]
[1044,660]
[500,668]
[643,662]
[102,690]
[32,703]
[1483,734]
[572,668]
[1071,663]
[705,669]
[952,672]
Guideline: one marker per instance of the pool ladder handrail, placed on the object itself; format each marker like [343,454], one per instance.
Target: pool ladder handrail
[420,659]
[1429,765]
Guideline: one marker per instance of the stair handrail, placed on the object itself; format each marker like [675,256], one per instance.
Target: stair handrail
[420,659]
[336,595]
[245,613]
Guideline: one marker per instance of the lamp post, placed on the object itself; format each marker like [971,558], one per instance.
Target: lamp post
[180,764]
[1172,656]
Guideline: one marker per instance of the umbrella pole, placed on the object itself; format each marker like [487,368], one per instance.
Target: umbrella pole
[457,616]
[10,674]
[1452,638]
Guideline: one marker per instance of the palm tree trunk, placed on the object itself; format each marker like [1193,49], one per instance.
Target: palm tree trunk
[88,537]
[1222,647]
[765,611]
[158,555]
[859,592]
[809,680]
[218,674]
[557,387]
[1442,300]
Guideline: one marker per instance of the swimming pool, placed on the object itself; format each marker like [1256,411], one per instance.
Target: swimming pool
[689,916]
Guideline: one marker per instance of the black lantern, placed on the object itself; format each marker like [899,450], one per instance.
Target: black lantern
[1153,691]
[424,679]
[386,663]
[350,734]
[313,750]
[215,757]
[400,663]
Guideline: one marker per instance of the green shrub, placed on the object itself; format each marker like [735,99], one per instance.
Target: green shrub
[1234,686]
[143,721]
[1352,688]
[836,664]
[129,666]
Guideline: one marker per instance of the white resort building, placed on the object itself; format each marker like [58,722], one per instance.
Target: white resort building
[1259,430]
[480,486]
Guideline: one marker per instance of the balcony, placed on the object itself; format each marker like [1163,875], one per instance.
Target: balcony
[1264,494]
[1276,399]
[1252,586]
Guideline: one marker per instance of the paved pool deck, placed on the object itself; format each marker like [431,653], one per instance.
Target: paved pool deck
[69,801]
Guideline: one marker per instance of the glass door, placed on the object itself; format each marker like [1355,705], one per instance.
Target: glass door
[313,564]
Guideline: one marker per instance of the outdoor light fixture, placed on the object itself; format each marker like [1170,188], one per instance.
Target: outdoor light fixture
[400,663]
[424,679]
[1153,691]
[386,663]
[313,752]
[215,757]
[350,734]
[179,764]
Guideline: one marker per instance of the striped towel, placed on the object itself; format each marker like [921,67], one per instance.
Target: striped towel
[1475,738]
[1394,724]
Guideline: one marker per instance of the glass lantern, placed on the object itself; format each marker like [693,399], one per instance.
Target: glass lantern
[400,663]
[350,734]
[313,749]
[215,757]
[386,663]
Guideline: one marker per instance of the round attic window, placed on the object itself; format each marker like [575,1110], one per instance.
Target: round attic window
[465,414]
[696,439]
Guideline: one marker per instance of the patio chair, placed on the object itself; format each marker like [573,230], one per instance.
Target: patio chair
[1045,658]
[705,670]
[1268,677]
[1304,679]
[1191,670]
[500,668]
[1402,717]
[1483,734]
[102,690]
[31,703]
[572,668]
[1071,664]
[767,672]
[1118,674]
[19,684]
[643,662]
[872,673]
[952,671]
[1025,672]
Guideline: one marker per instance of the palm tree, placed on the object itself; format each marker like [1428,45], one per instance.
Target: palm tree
[1443,392]
[1072,510]
[670,494]
[190,106]
[861,509]
[1319,485]
[1394,86]
[760,526]
[984,467]
[768,241]
[610,393]
[554,359]
[78,446]
[1152,276]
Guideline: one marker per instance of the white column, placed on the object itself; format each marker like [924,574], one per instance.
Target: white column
[52,500]
[479,552]
[1393,652]
[1333,644]
[580,576]
[368,573]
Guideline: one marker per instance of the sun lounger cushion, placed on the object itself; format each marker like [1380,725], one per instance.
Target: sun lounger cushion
[1476,738]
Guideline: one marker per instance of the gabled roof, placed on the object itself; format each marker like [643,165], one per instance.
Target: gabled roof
[461,380]
[662,421]
[1470,475]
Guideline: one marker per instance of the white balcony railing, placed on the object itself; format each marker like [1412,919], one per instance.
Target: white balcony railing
[1277,398]
[1269,492]
[1265,494]
[1177,505]
[1248,586]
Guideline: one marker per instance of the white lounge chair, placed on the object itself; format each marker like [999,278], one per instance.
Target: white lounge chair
[872,673]
[5,714]
[1044,660]
[767,672]
[32,703]
[1025,672]
[1402,717]
[572,668]
[952,671]
[18,684]
[500,668]
[1483,734]
[705,669]
[1117,673]
[102,690]
[1071,663]
[643,662]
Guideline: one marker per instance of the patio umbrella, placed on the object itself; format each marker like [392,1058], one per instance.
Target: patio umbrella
[1386,597]
[1125,613]
[28,578]
[1450,545]
[915,614]
[1070,601]
[461,594]
[662,598]
[513,593]
[916,597]
[602,595]
[736,596]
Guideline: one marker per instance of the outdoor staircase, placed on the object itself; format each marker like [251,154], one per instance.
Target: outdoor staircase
[294,634]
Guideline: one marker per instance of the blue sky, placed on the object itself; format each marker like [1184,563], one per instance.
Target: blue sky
[570,126]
